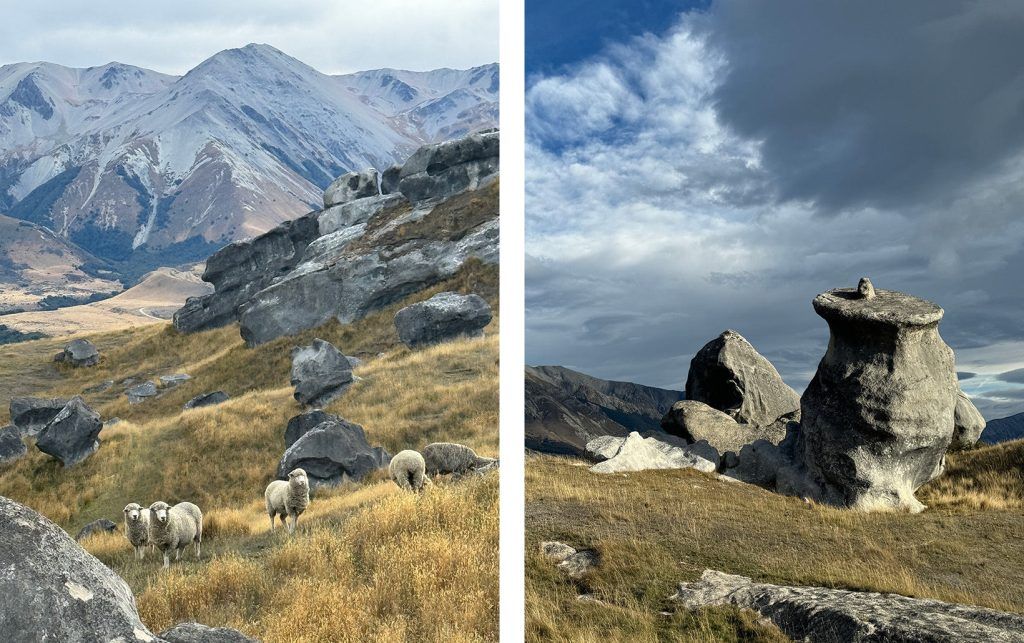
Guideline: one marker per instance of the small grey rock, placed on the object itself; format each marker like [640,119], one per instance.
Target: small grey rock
[207,399]
[96,527]
[12,447]
[197,633]
[141,392]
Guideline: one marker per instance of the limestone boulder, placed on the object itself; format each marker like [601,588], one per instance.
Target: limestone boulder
[12,447]
[351,186]
[101,526]
[55,590]
[207,399]
[968,423]
[198,633]
[79,353]
[638,453]
[826,614]
[333,453]
[695,421]
[443,317]
[729,375]
[444,169]
[73,434]
[320,373]
[878,416]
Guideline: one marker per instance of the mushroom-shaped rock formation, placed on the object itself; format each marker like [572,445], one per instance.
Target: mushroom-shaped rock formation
[878,416]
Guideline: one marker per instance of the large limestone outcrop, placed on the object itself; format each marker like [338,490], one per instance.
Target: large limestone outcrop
[53,590]
[729,375]
[825,614]
[378,239]
[241,269]
[878,416]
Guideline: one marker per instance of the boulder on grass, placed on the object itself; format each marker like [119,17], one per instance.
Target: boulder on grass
[303,423]
[141,392]
[79,353]
[101,526]
[333,453]
[638,453]
[207,399]
[12,447]
[73,434]
[53,590]
[443,317]
[197,633]
[320,373]
[695,421]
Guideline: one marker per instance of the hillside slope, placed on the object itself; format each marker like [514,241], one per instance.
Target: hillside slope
[655,529]
[146,169]
[1004,429]
[369,562]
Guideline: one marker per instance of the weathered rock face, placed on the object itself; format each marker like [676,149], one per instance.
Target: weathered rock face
[101,526]
[79,353]
[333,453]
[439,171]
[31,414]
[351,186]
[240,270]
[56,591]
[878,416]
[443,317]
[757,463]
[354,271]
[12,447]
[365,250]
[207,399]
[694,421]
[729,375]
[320,373]
[303,423]
[637,453]
[823,614]
[968,423]
[72,435]
[197,633]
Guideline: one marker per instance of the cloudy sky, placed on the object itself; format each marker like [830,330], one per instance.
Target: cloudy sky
[720,168]
[173,37]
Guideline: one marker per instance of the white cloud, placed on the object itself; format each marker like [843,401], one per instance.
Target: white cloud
[334,37]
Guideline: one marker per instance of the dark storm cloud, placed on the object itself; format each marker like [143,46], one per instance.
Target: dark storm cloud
[876,103]
[666,203]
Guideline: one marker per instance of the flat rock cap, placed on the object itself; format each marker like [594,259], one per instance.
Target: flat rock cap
[886,307]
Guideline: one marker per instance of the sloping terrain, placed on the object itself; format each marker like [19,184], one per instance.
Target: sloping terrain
[154,299]
[368,562]
[145,169]
[38,267]
[1004,429]
[565,409]
[654,529]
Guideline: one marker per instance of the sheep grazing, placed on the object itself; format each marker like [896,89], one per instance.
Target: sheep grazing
[173,528]
[288,498]
[408,470]
[136,528]
[446,457]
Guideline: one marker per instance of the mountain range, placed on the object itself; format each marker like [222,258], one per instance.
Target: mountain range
[565,409]
[142,169]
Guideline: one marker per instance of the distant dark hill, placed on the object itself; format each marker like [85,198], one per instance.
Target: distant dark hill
[566,409]
[1004,429]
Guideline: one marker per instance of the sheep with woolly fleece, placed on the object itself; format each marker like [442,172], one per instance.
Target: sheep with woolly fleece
[408,470]
[173,528]
[288,499]
[447,457]
[136,528]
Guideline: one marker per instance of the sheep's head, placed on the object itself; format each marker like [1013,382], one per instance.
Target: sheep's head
[159,512]
[298,478]
[133,512]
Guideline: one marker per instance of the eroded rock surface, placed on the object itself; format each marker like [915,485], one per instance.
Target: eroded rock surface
[79,353]
[333,453]
[637,453]
[351,186]
[198,633]
[823,614]
[73,434]
[207,399]
[12,447]
[443,317]
[695,421]
[968,423]
[53,590]
[729,375]
[320,373]
[878,416]
[31,414]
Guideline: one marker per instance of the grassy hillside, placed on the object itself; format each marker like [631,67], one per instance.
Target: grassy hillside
[369,562]
[658,528]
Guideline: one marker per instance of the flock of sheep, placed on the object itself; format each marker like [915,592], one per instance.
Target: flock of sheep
[170,528]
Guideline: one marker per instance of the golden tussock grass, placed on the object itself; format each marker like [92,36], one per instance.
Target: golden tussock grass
[368,562]
[659,528]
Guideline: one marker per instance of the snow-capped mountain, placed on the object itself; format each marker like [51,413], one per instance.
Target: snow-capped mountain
[141,167]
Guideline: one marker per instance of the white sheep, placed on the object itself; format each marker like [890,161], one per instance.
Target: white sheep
[173,528]
[447,457]
[136,528]
[288,498]
[408,470]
